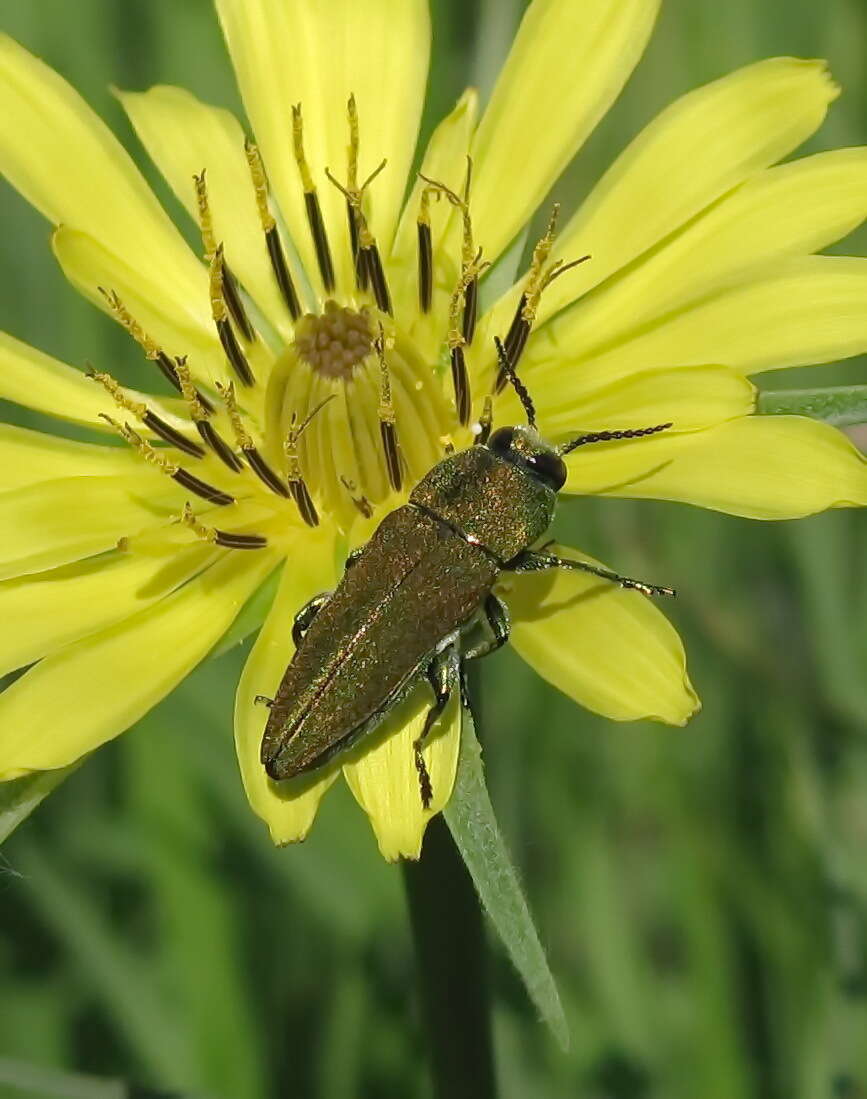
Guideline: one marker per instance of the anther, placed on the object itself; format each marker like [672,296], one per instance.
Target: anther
[226,538]
[248,448]
[539,279]
[469,257]
[219,311]
[297,487]
[209,244]
[277,256]
[311,203]
[149,346]
[361,277]
[199,415]
[457,341]
[387,419]
[425,254]
[156,423]
[153,457]
[368,262]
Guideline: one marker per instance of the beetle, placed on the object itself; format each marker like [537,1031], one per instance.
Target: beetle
[417,600]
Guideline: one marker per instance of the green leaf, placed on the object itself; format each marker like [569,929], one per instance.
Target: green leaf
[20,797]
[36,1082]
[840,405]
[250,617]
[470,817]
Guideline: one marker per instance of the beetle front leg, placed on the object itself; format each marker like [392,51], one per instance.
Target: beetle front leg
[305,616]
[532,561]
[444,674]
[498,622]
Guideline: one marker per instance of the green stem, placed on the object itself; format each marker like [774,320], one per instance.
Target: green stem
[452,968]
[841,405]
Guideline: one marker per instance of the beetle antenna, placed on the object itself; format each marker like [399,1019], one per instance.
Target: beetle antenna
[610,436]
[518,386]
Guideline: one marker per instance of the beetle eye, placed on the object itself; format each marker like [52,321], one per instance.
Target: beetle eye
[501,441]
[550,468]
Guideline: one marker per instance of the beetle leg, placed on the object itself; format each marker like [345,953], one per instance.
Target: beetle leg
[532,561]
[353,557]
[306,615]
[496,616]
[443,674]
[263,700]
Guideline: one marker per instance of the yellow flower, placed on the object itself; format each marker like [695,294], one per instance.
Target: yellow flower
[320,281]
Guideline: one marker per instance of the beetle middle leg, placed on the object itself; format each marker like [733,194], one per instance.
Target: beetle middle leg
[444,675]
[533,561]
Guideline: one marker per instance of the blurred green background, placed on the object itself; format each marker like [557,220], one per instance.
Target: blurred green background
[702,893]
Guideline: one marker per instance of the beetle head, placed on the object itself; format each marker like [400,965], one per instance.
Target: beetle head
[525,447]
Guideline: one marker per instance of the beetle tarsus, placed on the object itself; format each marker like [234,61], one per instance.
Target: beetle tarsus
[532,561]
[424,782]
[263,700]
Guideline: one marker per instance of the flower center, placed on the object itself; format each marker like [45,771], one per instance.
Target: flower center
[335,342]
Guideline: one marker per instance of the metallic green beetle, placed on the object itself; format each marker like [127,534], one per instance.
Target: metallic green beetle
[417,601]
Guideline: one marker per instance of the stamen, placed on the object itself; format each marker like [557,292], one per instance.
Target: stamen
[245,441]
[387,419]
[425,254]
[209,243]
[272,234]
[361,502]
[155,458]
[361,276]
[539,279]
[219,311]
[311,203]
[611,436]
[199,416]
[297,487]
[469,257]
[369,263]
[457,341]
[157,425]
[148,345]
[227,539]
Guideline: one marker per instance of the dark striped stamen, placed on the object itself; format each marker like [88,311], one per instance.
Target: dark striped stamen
[361,275]
[471,304]
[305,505]
[320,239]
[388,434]
[281,272]
[235,306]
[264,472]
[219,445]
[229,540]
[461,384]
[376,274]
[486,421]
[237,358]
[425,267]
[202,488]
[171,435]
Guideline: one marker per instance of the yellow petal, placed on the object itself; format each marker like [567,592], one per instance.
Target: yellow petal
[68,164]
[381,773]
[761,467]
[72,702]
[27,457]
[688,399]
[53,609]
[291,51]
[809,310]
[566,67]
[50,524]
[185,136]
[288,808]
[179,322]
[33,379]
[695,151]
[610,650]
